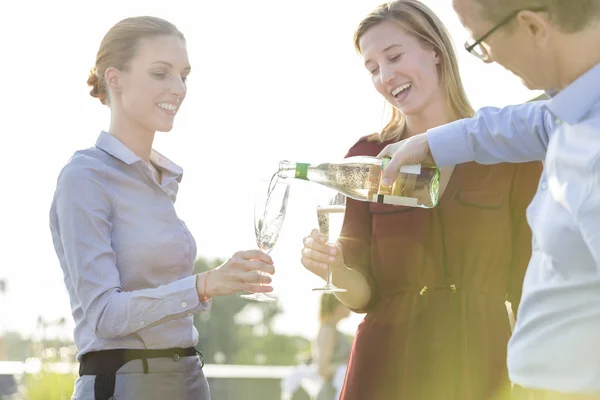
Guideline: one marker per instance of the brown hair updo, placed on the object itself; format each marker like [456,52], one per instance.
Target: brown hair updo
[119,46]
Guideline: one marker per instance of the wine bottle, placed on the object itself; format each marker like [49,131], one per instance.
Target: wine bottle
[359,178]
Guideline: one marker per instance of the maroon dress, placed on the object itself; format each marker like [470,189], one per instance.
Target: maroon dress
[436,326]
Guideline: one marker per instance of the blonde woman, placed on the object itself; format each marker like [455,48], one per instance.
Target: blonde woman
[432,282]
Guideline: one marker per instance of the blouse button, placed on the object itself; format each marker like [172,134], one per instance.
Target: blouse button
[183,304]
[175,357]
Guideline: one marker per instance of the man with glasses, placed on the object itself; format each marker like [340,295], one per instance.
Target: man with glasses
[477,47]
[554,352]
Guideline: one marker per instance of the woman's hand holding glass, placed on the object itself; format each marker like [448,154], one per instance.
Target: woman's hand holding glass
[238,274]
[318,255]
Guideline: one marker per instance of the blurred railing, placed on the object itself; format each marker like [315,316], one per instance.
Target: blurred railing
[247,382]
[210,370]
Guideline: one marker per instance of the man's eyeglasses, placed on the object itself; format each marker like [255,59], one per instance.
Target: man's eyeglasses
[476,48]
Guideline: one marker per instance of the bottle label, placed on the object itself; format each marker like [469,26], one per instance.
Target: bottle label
[414,169]
[302,171]
[395,200]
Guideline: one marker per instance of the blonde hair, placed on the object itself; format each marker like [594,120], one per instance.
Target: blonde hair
[418,20]
[570,15]
[120,45]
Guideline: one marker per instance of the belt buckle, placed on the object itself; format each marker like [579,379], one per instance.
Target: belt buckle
[199,354]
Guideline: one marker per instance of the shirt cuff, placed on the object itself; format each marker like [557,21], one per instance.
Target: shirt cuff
[449,144]
[189,301]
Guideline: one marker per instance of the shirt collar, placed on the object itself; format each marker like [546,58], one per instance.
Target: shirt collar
[575,101]
[166,164]
[117,149]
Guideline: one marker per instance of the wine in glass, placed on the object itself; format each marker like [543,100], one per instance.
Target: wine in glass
[331,218]
[270,204]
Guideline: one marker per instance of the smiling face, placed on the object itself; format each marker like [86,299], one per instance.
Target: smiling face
[149,92]
[403,69]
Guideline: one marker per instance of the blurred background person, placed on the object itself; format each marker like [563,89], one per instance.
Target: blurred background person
[332,347]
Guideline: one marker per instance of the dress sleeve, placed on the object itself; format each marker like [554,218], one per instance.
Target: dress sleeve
[355,240]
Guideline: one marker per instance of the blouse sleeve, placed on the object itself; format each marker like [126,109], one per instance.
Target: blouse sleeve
[81,226]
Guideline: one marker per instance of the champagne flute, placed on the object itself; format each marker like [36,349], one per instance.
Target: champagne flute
[270,203]
[330,215]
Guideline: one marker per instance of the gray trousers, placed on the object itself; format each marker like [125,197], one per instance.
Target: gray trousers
[166,379]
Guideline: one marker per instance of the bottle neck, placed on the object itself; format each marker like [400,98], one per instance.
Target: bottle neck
[288,169]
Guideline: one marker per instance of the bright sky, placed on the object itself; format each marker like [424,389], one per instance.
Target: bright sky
[271,80]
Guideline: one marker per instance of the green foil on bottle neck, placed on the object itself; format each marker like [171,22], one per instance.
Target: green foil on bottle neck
[385,162]
[302,171]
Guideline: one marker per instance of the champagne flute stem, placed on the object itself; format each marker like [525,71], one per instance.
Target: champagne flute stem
[260,272]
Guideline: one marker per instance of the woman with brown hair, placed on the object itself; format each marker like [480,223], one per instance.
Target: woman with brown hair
[126,257]
[432,282]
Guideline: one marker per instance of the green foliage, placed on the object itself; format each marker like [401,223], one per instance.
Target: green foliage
[224,341]
[15,346]
[49,386]
[271,349]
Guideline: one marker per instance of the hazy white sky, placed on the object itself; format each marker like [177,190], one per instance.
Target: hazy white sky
[271,80]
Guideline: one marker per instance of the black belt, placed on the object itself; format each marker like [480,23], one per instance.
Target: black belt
[105,364]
